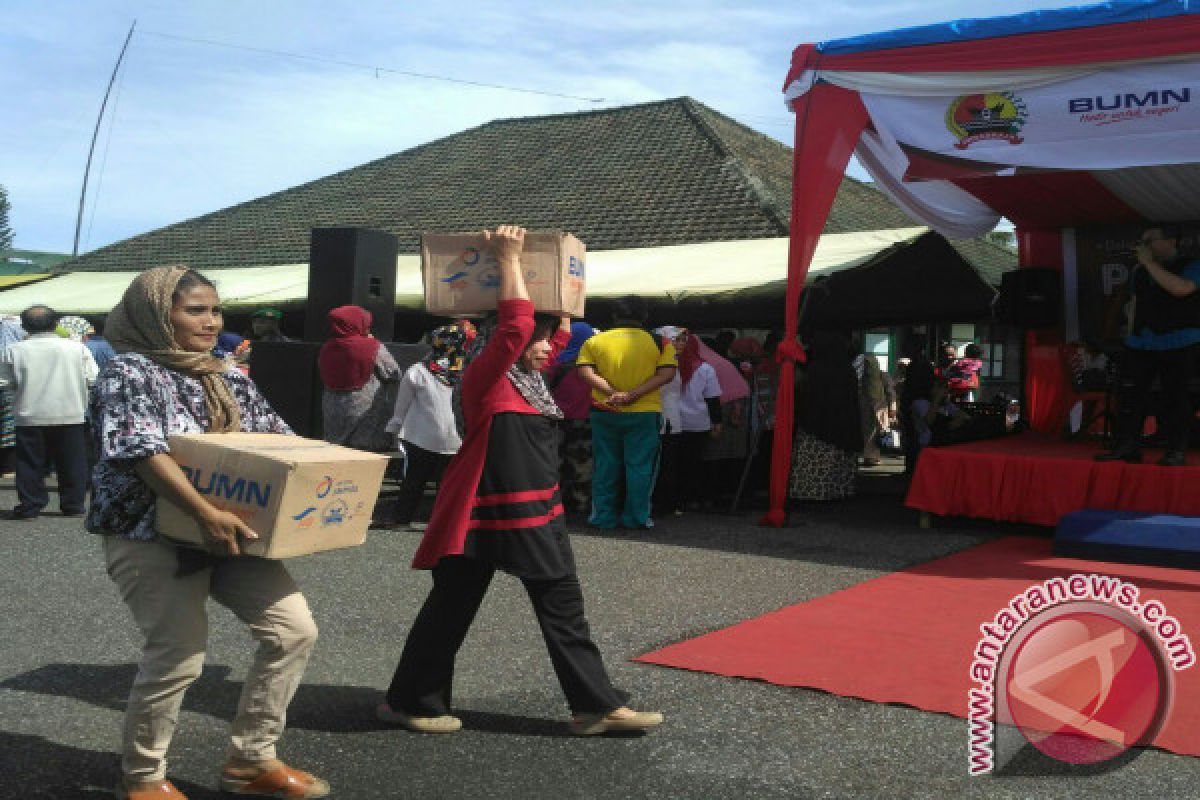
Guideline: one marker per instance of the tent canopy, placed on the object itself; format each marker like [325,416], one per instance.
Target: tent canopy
[664,275]
[1053,119]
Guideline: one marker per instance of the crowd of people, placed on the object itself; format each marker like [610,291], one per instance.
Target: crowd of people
[519,418]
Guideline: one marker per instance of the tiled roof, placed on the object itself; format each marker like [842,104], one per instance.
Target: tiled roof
[990,260]
[662,173]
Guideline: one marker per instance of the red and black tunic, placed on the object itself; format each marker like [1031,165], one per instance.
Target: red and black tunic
[517,522]
[499,499]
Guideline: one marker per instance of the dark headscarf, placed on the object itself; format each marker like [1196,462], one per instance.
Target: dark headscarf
[531,385]
[828,399]
[347,360]
[227,344]
[580,333]
[449,349]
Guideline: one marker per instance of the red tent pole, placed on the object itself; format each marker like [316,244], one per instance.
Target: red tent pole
[1046,403]
[829,121]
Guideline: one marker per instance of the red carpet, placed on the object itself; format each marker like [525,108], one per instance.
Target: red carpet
[909,637]
[1038,479]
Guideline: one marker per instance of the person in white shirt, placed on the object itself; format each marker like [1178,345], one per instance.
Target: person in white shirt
[667,495]
[49,377]
[699,417]
[423,420]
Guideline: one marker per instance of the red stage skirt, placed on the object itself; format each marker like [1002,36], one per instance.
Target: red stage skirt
[1038,479]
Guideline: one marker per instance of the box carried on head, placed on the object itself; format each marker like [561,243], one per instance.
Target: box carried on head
[461,276]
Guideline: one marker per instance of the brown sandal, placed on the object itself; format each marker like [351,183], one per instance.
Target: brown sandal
[283,782]
[158,790]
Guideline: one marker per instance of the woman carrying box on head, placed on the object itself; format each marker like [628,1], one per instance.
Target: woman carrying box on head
[164,382]
[499,507]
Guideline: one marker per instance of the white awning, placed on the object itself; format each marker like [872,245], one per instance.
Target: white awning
[657,273]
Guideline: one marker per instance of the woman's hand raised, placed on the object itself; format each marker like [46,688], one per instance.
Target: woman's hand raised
[506,243]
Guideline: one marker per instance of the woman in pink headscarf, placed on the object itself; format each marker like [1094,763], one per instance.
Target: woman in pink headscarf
[699,416]
[725,451]
[360,377]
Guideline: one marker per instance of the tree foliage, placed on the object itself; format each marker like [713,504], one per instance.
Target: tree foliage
[6,232]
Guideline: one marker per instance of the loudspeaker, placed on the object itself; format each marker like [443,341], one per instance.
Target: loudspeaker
[1031,297]
[351,266]
[286,374]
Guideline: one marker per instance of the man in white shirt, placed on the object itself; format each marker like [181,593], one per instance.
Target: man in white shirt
[49,377]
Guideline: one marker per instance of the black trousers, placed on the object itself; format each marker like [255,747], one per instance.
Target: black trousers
[666,487]
[1175,370]
[423,680]
[422,466]
[39,447]
[695,475]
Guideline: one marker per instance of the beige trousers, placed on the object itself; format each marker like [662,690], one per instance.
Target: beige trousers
[170,611]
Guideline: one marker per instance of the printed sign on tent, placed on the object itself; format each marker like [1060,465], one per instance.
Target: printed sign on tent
[1148,114]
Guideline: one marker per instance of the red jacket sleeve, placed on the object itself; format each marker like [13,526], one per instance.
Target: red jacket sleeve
[513,329]
[558,343]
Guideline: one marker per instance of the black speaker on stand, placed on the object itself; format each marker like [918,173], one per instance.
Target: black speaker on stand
[347,266]
[286,374]
[351,266]
[1031,297]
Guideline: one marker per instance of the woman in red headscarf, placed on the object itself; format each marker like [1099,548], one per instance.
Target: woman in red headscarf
[360,378]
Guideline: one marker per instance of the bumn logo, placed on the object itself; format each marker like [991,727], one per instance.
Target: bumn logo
[229,487]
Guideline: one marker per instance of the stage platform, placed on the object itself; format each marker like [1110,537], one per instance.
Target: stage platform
[1039,479]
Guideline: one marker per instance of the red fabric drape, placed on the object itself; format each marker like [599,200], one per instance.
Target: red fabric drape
[1044,200]
[829,121]
[1125,41]
[1045,378]
[1039,479]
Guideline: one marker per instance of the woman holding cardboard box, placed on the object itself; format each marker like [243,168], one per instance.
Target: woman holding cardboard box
[164,382]
[500,508]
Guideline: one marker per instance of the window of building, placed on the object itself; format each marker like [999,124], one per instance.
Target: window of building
[879,344]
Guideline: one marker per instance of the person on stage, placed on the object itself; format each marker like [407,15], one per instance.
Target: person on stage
[1163,341]
[499,507]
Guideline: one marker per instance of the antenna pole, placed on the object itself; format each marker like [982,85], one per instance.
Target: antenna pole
[95,134]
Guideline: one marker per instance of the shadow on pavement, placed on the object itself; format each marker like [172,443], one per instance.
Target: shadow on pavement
[34,768]
[316,707]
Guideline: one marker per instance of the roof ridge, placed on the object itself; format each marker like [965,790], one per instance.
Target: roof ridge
[695,109]
[589,112]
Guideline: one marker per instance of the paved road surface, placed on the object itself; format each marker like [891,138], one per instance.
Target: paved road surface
[68,646]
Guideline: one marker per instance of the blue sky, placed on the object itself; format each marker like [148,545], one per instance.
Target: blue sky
[192,127]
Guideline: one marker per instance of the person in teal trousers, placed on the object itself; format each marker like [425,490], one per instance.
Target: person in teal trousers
[625,366]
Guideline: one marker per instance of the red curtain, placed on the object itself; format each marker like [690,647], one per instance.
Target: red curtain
[1046,385]
[829,121]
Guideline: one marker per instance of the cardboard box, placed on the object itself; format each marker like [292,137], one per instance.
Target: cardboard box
[299,495]
[461,276]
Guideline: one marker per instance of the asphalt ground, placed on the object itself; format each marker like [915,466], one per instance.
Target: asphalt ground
[68,650]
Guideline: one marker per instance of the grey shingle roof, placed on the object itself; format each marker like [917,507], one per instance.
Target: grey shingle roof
[662,173]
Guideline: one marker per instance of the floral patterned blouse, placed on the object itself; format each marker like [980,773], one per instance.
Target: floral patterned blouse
[135,405]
